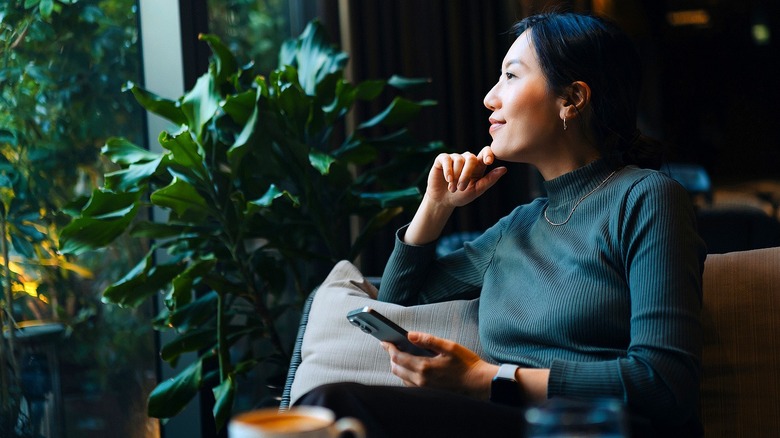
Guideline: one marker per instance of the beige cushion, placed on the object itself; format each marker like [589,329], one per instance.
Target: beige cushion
[335,351]
[740,389]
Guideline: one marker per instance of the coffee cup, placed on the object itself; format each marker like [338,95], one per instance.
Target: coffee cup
[296,422]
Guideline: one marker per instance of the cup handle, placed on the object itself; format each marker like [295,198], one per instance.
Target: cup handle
[349,424]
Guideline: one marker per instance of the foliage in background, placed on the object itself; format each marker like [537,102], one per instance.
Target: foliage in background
[61,69]
[62,64]
[258,180]
[253,30]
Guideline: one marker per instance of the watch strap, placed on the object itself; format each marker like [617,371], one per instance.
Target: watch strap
[504,388]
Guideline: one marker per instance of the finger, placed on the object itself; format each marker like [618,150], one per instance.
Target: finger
[398,357]
[490,179]
[486,155]
[402,365]
[444,162]
[430,342]
[472,170]
[458,162]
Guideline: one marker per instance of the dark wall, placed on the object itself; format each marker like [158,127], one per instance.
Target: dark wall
[711,91]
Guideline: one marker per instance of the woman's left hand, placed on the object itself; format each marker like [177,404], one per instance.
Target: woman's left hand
[454,368]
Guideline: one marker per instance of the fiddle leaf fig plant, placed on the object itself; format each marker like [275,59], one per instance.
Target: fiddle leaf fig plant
[259,181]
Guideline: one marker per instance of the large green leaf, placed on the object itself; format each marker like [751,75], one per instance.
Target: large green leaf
[195,313]
[22,246]
[85,234]
[185,152]
[124,152]
[407,84]
[343,98]
[269,197]
[345,95]
[241,145]
[295,106]
[356,150]
[46,8]
[223,60]
[180,197]
[392,198]
[22,226]
[133,177]
[241,106]
[166,108]
[400,112]
[194,340]
[201,104]
[105,205]
[321,161]
[143,281]
[369,90]
[313,56]
[103,219]
[182,292]
[223,401]
[171,396]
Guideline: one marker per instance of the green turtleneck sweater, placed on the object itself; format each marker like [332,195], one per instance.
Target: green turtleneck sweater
[608,301]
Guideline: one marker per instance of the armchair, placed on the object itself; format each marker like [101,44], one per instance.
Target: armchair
[740,387]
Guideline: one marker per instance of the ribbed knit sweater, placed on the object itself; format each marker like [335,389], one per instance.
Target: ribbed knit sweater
[608,301]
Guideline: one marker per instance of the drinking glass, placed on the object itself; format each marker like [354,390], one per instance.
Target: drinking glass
[567,418]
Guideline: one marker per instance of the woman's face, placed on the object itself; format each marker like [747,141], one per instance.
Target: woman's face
[525,122]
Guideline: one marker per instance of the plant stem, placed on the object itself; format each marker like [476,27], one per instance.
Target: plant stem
[8,308]
[248,275]
[223,350]
[235,244]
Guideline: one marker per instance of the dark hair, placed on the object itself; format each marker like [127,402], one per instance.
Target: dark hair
[576,47]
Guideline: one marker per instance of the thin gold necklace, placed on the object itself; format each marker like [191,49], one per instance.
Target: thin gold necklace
[576,203]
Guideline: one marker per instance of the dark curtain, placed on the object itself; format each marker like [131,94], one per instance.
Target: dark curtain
[459,45]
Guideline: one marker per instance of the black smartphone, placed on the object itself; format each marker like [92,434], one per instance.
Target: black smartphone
[377,325]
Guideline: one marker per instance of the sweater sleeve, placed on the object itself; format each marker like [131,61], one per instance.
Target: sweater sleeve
[663,258]
[414,275]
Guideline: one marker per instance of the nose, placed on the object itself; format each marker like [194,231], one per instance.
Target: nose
[491,100]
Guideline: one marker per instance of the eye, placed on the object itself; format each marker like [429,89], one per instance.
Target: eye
[509,75]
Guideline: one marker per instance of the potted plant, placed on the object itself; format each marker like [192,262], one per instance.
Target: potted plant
[260,179]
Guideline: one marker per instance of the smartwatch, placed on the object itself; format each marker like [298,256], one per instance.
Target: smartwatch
[504,389]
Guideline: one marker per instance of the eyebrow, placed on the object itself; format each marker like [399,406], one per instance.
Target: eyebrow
[511,62]
[514,61]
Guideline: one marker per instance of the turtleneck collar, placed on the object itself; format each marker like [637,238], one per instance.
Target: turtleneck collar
[566,189]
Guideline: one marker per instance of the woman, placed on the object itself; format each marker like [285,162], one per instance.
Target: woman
[593,291]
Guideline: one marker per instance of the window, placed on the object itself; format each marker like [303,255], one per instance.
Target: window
[85,368]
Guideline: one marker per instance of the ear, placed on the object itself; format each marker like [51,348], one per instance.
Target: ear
[577,97]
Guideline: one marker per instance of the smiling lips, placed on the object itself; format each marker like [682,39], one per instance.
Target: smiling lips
[495,124]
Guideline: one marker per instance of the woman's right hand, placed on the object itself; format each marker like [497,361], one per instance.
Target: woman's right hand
[454,181]
[457,179]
